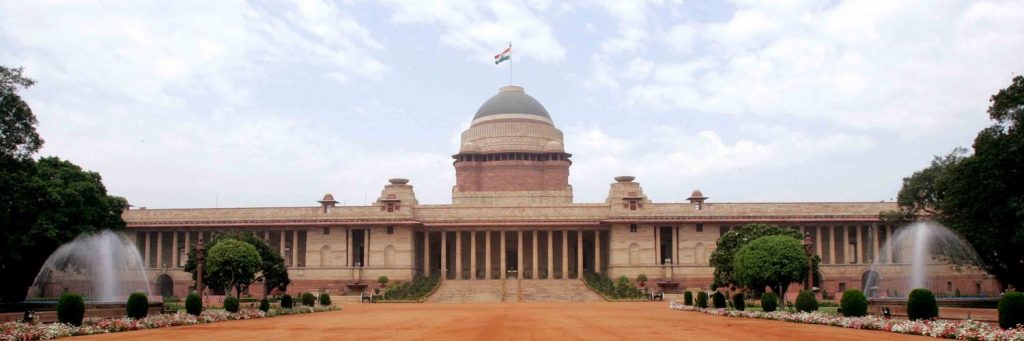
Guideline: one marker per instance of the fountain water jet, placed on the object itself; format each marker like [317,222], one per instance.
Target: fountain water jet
[927,241]
[103,267]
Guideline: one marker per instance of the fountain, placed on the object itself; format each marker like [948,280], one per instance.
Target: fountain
[102,267]
[930,246]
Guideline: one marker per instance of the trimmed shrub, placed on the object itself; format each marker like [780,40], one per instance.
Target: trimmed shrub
[265,305]
[688,298]
[642,278]
[70,309]
[738,303]
[231,304]
[308,299]
[769,302]
[702,299]
[325,299]
[287,302]
[718,300]
[138,305]
[805,302]
[1011,310]
[382,279]
[853,303]
[921,305]
[194,304]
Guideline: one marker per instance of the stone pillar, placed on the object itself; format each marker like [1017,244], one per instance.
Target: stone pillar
[366,247]
[487,255]
[444,254]
[174,249]
[519,254]
[891,230]
[348,246]
[295,248]
[657,246]
[149,260]
[551,254]
[875,234]
[579,253]
[565,254]
[597,251]
[458,254]
[426,252]
[534,272]
[188,240]
[501,251]
[675,244]
[472,254]
[160,249]
[817,244]
[861,246]
[833,240]
[281,246]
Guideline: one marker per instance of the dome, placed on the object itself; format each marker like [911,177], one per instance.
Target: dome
[554,146]
[328,197]
[469,147]
[511,100]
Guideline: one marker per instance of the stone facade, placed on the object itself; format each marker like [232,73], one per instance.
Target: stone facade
[512,214]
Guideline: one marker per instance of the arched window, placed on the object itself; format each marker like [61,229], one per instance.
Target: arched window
[634,254]
[165,284]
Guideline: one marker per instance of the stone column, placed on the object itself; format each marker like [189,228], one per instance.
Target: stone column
[295,248]
[675,244]
[472,254]
[444,254]
[487,255]
[149,260]
[519,254]
[579,253]
[174,249]
[833,240]
[891,230]
[366,247]
[501,249]
[534,272]
[862,247]
[348,246]
[159,249]
[875,234]
[458,254]
[551,254]
[188,244]
[565,254]
[597,251]
[657,246]
[817,244]
[426,252]
[281,242]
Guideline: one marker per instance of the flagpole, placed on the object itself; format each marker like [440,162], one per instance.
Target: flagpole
[510,63]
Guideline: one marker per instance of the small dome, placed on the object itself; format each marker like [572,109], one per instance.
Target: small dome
[554,146]
[696,194]
[625,178]
[511,100]
[328,197]
[398,181]
[469,147]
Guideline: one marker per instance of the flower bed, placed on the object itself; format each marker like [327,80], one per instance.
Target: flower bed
[958,330]
[11,331]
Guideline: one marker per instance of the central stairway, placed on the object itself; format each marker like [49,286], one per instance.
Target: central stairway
[511,290]
[468,291]
[557,290]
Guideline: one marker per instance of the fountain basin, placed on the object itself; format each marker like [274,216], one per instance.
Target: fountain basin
[46,311]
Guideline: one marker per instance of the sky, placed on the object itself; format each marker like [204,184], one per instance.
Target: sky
[235,103]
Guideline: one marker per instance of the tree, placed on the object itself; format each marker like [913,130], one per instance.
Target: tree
[770,261]
[981,196]
[232,263]
[732,241]
[18,137]
[272,270]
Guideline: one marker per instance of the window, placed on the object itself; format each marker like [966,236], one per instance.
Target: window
[632,205]
[700,227]
[327,230]
[842,286]
[391,230]
[632,228]
[949,286]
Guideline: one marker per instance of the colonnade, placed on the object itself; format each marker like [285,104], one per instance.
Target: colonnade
[181,241]
[567,253]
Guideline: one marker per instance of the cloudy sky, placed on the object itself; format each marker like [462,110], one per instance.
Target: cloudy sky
[234,103]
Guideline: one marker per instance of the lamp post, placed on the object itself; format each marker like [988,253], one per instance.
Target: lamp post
[808,247]
[200,257]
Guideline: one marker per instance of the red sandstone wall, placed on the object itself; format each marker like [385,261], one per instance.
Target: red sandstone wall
[512,175]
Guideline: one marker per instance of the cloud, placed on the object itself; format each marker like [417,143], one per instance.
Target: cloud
[484,28]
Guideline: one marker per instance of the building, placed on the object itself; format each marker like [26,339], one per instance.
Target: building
[512,215]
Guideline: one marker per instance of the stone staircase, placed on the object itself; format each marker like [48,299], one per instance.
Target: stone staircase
[468,291]
[511,292]
[559,290]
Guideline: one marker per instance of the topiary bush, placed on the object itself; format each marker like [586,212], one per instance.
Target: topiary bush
[1011,310]
[231,304]
[325,299]
[194,304]
[71,309]
[921,305]
[287,302]
[769,302]
[308,299]
[805,302]
[718,300]
[138,305]
[853,303]
[688,298]
[702,299]
[738,303]
[265,305]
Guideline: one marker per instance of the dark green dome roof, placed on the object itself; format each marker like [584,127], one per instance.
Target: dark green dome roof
[511,100]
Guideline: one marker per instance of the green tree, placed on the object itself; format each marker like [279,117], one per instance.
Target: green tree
[232,263]
[770,261]
[980,196]
[732,241]
[272,270]
[18,137]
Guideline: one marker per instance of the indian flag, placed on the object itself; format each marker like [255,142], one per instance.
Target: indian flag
[504,55]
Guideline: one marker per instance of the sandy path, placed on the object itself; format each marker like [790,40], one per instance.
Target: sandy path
[489,321]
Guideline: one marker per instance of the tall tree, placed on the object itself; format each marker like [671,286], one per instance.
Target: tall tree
[770,261]
[272,270]
[18,137]
[981,196]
